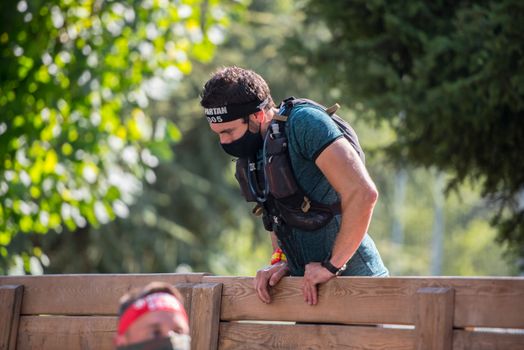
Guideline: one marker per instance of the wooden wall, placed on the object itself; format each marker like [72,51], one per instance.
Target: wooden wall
[79,312]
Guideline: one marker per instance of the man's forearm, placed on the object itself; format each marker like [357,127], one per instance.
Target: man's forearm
[356,216]
[344,170]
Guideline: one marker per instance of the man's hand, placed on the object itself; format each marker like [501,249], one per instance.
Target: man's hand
[314,274]
[268,277]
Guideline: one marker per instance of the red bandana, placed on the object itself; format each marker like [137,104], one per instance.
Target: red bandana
[151,302]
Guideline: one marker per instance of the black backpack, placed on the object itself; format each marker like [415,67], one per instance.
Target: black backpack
[281,200]
[289,103]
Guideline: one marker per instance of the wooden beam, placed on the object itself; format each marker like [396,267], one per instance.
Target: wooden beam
[66,332]
[471,340]
[89,294]
[385,301]
[186,289]
[236,336]
[479,302]
[205,316]
[434,326]
[489,302]
[10,303]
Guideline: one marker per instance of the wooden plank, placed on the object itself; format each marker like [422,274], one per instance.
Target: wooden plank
[480,302]
[10,303]
[66,332]
[235,336]
[489,302]
[345,301]
[466,340]
[434,327]
[89,294]
[205,316]
[186,289]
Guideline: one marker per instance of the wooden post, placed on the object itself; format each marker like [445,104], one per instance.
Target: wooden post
[205,316]
[186,289]
[10,304]
[434,319]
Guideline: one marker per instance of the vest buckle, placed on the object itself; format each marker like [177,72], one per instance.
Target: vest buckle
[306,205]
[258,210]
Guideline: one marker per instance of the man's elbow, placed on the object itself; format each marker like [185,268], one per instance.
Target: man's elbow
[369,195]
[366,197]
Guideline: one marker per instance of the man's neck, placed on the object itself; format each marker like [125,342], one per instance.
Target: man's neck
[267,120]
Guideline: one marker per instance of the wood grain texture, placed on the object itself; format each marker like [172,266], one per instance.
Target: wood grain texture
[66,332]
[340,301]
[465,340]
[91,294]
[10,304]
[434,326]
[186,289]
[235,336]
[205,316]
[480,302]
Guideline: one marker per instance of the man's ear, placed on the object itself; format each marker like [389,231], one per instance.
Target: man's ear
[120,340]
[259,116]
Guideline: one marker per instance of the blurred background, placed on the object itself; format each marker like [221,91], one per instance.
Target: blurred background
[107,164]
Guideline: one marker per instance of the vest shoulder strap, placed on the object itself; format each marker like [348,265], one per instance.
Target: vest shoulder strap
[289,103]
[280,118]
[333,109]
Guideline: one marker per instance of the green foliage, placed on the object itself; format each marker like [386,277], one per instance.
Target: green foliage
[448,77]
[193,213]
[75,83]
[469,247]
[405,215]
[196,192]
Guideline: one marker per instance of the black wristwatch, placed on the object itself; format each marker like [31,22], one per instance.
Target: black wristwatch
[333,269]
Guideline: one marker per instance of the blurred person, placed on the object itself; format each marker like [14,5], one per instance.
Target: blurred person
[152,318]
[304,169]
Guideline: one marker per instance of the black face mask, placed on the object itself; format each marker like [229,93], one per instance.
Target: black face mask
[178,342]
[245,146]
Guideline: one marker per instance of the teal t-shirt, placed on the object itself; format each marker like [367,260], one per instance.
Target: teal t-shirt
[310,130]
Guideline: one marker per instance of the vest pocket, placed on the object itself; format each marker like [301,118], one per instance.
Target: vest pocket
[241,176]
[310,221]
[280,176]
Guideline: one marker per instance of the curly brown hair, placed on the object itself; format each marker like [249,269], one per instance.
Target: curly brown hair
[235,85]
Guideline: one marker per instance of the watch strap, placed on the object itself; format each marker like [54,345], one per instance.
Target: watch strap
[332,268]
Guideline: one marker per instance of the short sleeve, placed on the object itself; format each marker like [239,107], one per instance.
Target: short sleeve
[311,130]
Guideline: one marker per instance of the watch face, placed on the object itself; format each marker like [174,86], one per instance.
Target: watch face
[342,269]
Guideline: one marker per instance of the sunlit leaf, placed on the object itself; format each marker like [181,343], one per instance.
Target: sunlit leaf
[75,106]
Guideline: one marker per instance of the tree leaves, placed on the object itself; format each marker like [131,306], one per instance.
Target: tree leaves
[443,75]
[75,83]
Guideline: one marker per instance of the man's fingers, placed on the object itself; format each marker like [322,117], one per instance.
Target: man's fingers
[262,288]
[304,291]
[311,294]
[268,277]
[277,276]
[306,288]
[263,294]
[314,295]
[312,277]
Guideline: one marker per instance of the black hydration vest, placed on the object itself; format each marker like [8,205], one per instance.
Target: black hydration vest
[280,200]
